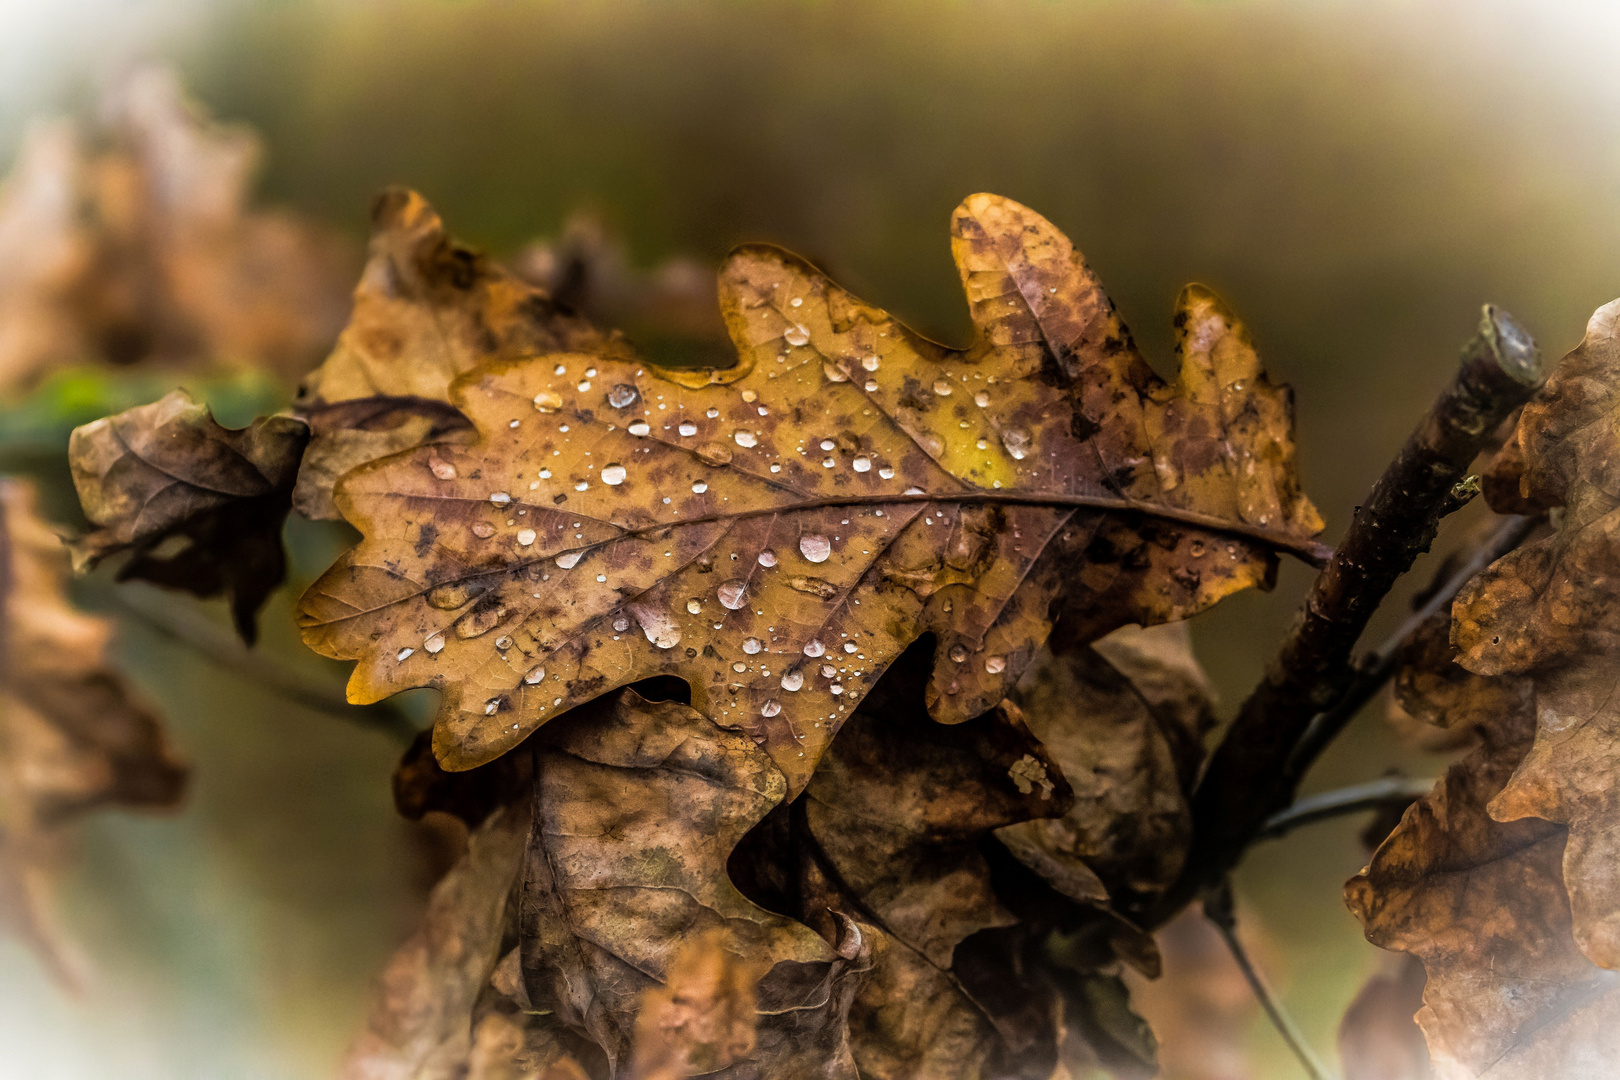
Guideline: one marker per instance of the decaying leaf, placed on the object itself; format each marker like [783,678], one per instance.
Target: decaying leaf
[145,248]
[1482,903]
[1548,611]
[704,1017]
[195,505]
[1125,720]
[73,737]
[775,533]
[637,807]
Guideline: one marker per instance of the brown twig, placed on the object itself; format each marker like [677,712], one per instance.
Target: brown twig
[1385,791]
[1246,780]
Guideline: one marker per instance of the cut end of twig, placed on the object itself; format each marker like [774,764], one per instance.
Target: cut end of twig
[1512,346]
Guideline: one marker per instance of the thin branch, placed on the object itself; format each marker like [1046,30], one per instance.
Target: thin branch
[1378,668]
[1218,910]
[220,647]
[1346,800]
[1247,778]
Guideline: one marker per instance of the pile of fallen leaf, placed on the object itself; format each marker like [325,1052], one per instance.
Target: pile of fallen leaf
[800,712]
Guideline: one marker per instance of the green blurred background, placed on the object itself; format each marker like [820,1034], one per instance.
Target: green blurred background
[1354,177]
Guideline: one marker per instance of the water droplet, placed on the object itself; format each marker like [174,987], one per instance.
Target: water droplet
[733,594]
[714,453]
[887,472]
[404,654]
[849,646]
[814,648]
[752,645]
[548,401]
[568,560]
[871,386]
[982,400]
[828,671]
[613,475]
[492,706]
[942,388]
[827,463]
[796,301]
[687,428]
[483,530]
[835,689]
[767,557]
[861,464]
[503,642]
[534,676]
[959,653]
[797,335]
[770,708]
[640,429]
[749,396]
[739,667]
[815,547]
[545,474]
[833,372]
[434,644]
[582,485]
[699,488]
[658,625]
[500,498]
[1017,442]
[694,605]
[560,369]
[441,468]
[745,438]
[622,396]
[621,624]
[870,363]
[601,578]
[914,490]
[712,413]
[995,665]
[792,681]
[584,386]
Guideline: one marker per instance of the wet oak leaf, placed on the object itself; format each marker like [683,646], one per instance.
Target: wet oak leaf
[195,505]
[73,736]
[1482,904]
[1548,611]
[637,807]
[777,532]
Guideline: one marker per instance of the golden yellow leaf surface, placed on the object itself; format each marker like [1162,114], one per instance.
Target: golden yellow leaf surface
[777,532]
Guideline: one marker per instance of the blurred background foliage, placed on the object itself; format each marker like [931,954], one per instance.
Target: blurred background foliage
[1354,177]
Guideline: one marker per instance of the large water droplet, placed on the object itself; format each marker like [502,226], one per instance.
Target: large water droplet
[942,387]
[815,547]
[687,428]
[525,537]
[767,557]
[797,335]
[493,706]
[622,396]
[982,400]
[621,624]
[503,642]
[814,648]
[534,676]
[770,708]
[483,530]
[568,560]
[995,665]
[694,605]
[887,472]
[959,653]
[833,372]
[871,363]
[714,453]
[1017,442]
[835,689]
[613,475]
[733,594]
[640,429]
[659,626]
[454,595]
[739,667]
[861,464]
[752,645]
[548,401]
[745,439]
[699,487]
[441,468]
[404,654]
[434,644]
[500,498]
[792,681]
[828,671]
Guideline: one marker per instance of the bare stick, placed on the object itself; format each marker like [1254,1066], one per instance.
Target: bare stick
[224,649]
[1246,781]
[1219,911]
[1346,800]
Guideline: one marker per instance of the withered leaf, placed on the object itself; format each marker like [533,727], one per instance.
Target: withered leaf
[1125,720]
[1482,903]
[637,806]
[775,533]
[72,734]
[1548,611]
[196,506]
[704,1017]
[426,311]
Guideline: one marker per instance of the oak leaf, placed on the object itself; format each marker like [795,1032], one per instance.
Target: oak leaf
[73,736]
[196,506]
[775,533]
[637,807]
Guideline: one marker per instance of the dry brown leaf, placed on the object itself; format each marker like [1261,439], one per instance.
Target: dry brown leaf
[147,250]
[637,807]
[196,506]
[1125,720]
[1548,611]
[846,487]
[704,1016]
[72,735]
[1482,903]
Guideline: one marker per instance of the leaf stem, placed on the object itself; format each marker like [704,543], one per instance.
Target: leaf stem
[1345,800]
[1218,909]
[1248,777]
